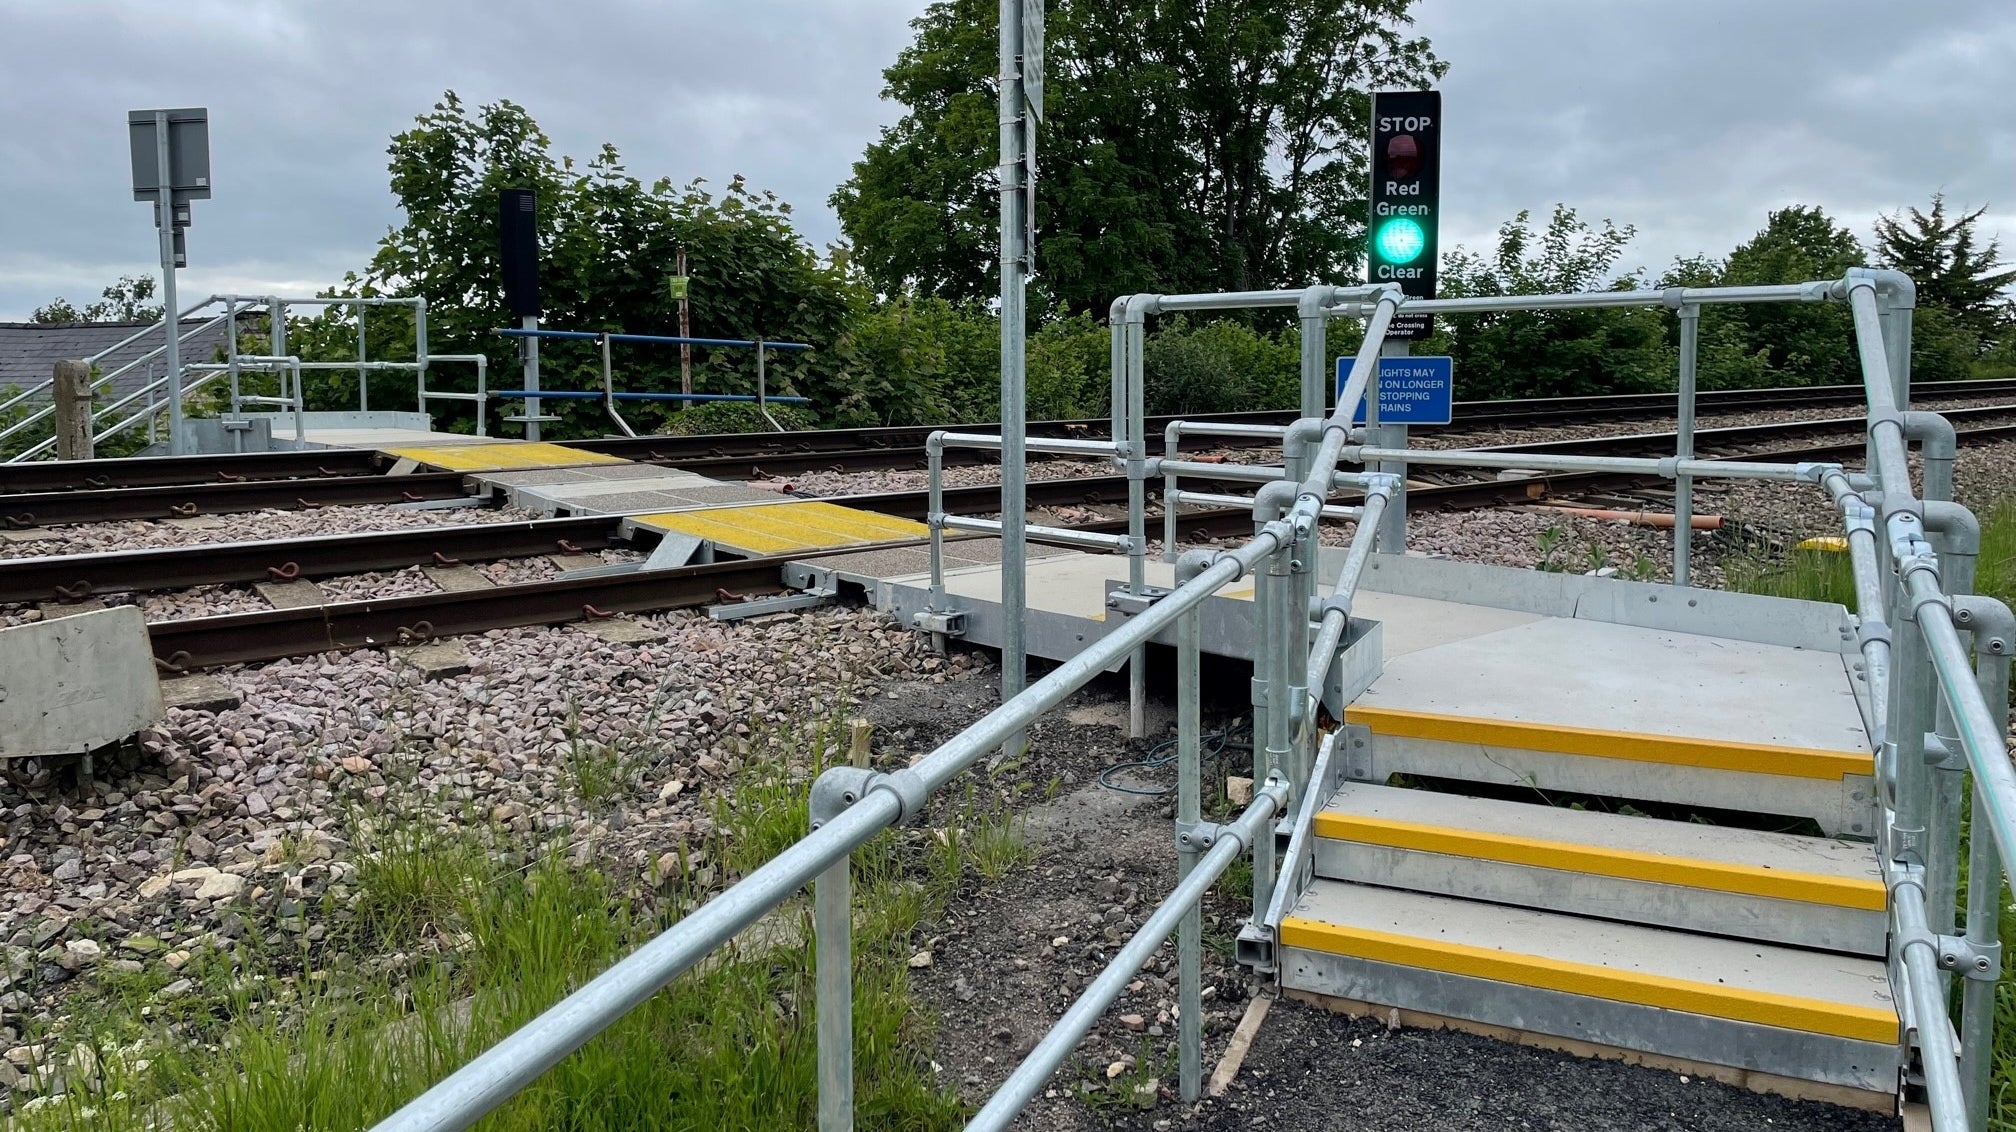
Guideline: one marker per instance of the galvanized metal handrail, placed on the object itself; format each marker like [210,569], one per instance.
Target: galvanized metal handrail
[494,1076]
[1297,637]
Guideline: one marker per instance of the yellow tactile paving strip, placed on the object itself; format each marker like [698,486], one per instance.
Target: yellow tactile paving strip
[514,455]
[1676,750]
[779,528]
[1866,893]
[1743,1004]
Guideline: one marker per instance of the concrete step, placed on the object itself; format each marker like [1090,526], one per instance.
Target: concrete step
[1831,785]
[1597,985]
[1780,888]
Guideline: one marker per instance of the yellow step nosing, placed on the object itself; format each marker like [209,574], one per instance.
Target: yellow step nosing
[1630,746]
[1715,1000]
[1858,893]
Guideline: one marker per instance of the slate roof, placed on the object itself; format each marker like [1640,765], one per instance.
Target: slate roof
[29,351]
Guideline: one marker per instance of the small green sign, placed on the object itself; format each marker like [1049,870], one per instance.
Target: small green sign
[676,286]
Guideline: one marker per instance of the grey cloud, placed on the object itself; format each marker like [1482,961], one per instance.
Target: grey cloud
[1689,121]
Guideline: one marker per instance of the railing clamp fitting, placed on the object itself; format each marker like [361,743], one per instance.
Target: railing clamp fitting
[839,788]
[836,789]
[1943,755]
[1669,467]
[1813,471]
[1132,604]
[1981,962]
[1150,469]
[1340,601]
[1869,631]
[1196,837]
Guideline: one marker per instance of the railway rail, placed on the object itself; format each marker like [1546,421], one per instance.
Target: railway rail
[196,643]
[850,449]
[74,577]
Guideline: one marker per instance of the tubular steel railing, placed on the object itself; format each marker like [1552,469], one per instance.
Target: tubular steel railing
[154,395]
[1937,720]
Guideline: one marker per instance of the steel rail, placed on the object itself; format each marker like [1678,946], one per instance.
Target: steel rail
[160,471]
[72,577]
[795,452]
[107,505]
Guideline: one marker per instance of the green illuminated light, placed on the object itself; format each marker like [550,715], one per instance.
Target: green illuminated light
[1400,240]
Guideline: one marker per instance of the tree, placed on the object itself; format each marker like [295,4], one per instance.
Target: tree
[1554,353]
[1186,147]
[124,301]
[1756,345]
[1939,254]
[607,243]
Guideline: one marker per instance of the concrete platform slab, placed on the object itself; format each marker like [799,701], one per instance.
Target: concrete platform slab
[1573,673]
[51,610]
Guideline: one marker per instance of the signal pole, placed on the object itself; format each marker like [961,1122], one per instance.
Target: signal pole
[1021,106]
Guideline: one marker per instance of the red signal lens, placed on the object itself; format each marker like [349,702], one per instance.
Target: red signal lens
[1403,156]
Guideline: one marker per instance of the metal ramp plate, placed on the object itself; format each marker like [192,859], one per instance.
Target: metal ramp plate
[779,528]
[499,456]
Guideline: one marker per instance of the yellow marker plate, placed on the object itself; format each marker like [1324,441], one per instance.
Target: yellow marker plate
[779,528]
[511,455]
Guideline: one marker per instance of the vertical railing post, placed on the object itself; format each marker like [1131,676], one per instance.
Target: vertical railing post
[1683,486]
[934,518]
[1137,521]
[1189,812]
[1984,890]
[363,375]
[420,350]
[1170,494]
[834,978]
[1393,523]
[231,348]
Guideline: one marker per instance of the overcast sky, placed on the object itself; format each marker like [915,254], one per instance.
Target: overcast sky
[1688,120]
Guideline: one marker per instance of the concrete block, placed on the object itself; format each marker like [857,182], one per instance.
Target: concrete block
[76,683]
[578,561]
[292,595]
[196,523]
[456,579]
[622,631]
[32,534]
[199,692]
[437,660]
[54,609]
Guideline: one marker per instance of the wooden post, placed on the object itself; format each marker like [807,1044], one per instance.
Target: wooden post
[861,734]
[72,391]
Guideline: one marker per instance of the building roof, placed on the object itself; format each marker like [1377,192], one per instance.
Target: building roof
[29,351]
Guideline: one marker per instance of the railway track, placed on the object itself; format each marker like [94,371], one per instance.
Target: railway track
[75,577]
[229,481]
[194,643]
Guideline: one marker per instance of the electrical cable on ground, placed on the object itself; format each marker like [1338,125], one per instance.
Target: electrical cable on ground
[1212,747]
